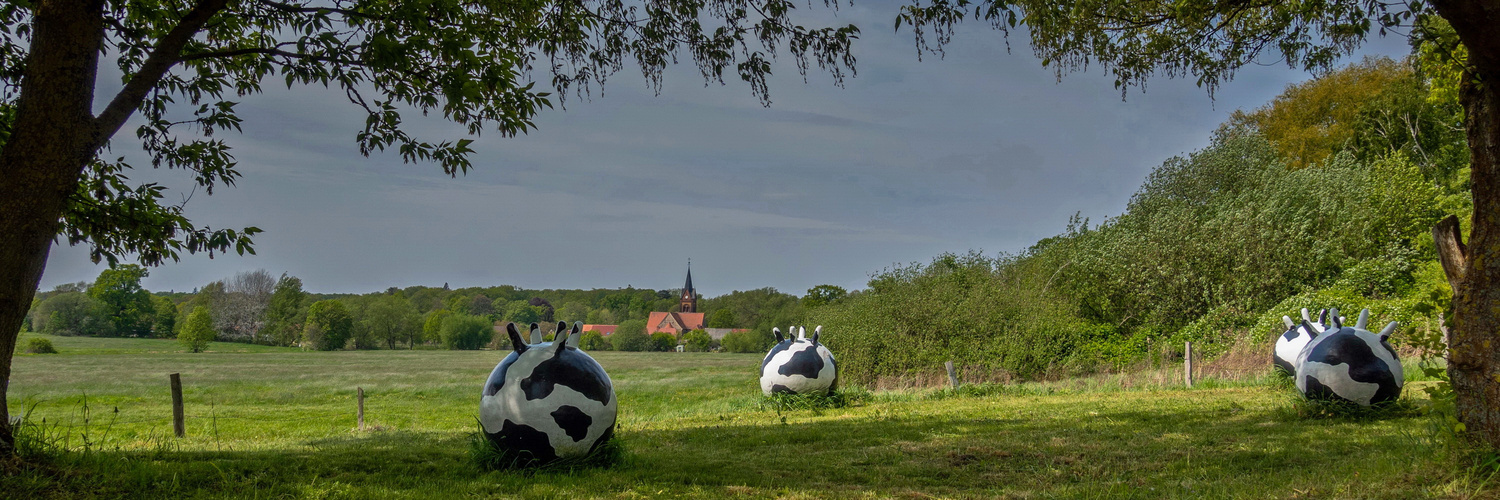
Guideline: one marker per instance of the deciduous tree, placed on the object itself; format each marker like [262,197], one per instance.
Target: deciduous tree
[124,302]
[477,63]
[466,332]
[522,312]
[73,313]
[1209,41]
[432,325]
[284,312]
[391,319]
[198,331]
[239,312]
[823,294]
[164,317]
[329,325]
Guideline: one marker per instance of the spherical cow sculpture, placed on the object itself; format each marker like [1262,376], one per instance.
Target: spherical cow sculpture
[548,400]
[1290,343]
[798,366]
[1350,364]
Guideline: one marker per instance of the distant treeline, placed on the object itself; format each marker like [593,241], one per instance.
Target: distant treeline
[1324,197]
[256,307]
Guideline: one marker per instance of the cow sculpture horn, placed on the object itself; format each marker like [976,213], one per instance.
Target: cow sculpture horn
[1323,316]
[777,332]
[1364,317]
[1288,320]
[515,338]
[536,333]
[817,331]
[1311,333]
[801,333]
[560,339]
[1389,329]
[1338,321]
[1305,316]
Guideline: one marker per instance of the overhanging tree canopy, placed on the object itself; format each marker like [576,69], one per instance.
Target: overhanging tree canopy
[486,64]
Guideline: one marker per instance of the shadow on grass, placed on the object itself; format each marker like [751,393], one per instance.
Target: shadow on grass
[1218,449]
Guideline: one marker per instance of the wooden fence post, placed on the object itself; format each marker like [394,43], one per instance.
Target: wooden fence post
[360,395]
[1187,365]
[952,374]
[178,426]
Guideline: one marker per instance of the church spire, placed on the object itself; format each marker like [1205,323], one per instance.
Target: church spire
[689,301]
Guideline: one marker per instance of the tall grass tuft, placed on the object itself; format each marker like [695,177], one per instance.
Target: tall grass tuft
[1303,408]
[787,402]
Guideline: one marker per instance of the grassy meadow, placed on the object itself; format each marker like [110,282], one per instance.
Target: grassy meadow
[280,423]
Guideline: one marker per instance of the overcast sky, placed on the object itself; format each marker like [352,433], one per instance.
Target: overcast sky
[983,149]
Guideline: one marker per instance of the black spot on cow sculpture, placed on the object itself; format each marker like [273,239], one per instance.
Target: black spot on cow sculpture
[798,366]
[548,400]
[1350,364]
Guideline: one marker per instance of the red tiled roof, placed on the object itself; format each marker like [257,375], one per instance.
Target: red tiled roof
[605,330]
[673,323]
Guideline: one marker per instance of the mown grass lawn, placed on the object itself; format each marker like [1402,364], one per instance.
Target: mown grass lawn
[279,423]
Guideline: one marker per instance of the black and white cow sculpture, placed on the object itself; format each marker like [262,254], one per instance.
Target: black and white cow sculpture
[798,366]
[548,399]
[1290,343]
[1350,364]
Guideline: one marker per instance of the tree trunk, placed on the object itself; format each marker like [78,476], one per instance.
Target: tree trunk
[51,142]
[1474,352]
[1474,356]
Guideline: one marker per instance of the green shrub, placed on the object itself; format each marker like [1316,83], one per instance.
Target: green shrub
[982,313]
[747,342]
[663,342]
[198,331]
[38,345]
[593,341]
[631,336]
[465,332]
[697,341]
[1223,241]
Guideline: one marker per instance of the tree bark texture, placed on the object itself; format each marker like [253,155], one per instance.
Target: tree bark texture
[1474,352]
[40,166]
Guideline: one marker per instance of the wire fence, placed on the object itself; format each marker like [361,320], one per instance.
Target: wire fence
[89,416]
[106,421]
[1224,367]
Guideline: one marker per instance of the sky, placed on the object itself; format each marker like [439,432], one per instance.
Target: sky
[982,149]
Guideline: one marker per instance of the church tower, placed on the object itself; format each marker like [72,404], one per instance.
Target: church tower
[689,301]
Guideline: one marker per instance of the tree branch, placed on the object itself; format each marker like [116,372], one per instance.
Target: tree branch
[302,9]
[161,60]
[268,51]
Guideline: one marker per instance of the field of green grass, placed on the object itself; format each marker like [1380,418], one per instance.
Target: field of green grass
[280,423]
